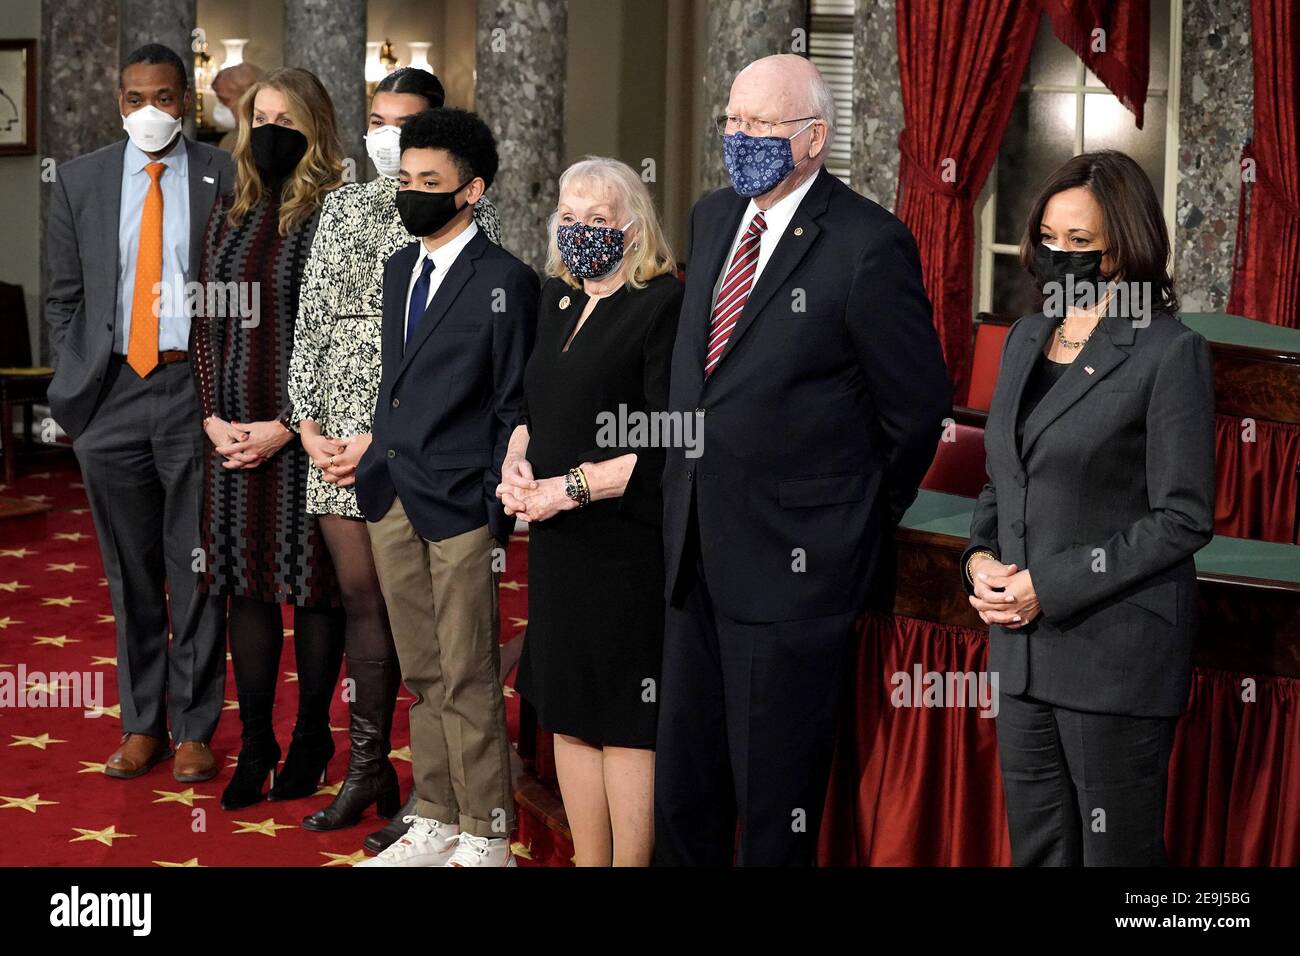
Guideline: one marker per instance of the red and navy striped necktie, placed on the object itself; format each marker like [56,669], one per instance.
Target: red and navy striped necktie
[734,292]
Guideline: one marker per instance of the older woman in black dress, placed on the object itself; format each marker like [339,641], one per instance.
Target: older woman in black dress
[1100,444]
[263,549]
[590,490]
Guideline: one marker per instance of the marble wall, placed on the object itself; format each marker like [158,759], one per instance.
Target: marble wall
[877,101]
[519,92]
[738,33]
[1215,119]
[168,22]
[328,37]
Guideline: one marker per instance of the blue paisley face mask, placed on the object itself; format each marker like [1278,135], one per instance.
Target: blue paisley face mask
[757,164]
[590,252]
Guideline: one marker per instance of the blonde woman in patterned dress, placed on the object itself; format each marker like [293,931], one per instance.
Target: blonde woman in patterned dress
[333,382]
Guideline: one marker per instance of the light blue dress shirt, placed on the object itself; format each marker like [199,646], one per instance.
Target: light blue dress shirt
[173,323]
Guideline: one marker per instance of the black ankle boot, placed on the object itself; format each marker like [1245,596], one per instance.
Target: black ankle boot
[258,755]
[371,777]
[381,840]
[303,772]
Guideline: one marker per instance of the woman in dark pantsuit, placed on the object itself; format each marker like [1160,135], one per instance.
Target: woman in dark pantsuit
[591,661]
[1100,457]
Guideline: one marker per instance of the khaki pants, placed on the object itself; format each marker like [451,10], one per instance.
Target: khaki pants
[442,604]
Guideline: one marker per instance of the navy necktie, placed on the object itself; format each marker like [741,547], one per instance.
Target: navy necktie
[419,300]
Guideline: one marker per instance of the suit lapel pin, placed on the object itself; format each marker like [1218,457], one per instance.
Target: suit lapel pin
[208,179]
[798,230]
[564,303]
[1088,369]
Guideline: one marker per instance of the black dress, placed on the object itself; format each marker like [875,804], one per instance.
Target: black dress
[592,654]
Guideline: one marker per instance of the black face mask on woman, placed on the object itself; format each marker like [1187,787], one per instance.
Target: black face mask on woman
[424,213]
[276,150]
[1069,270]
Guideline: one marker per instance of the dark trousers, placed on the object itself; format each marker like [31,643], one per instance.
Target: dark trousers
[141,458]
[1083,789]
[747,717]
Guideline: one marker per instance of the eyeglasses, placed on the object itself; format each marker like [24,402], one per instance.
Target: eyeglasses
[728,123]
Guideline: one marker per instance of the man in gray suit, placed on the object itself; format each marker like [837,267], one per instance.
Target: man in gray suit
[125,222]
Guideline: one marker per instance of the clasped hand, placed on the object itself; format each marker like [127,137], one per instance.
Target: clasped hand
[246,444]
[336,458]
[1003,594]
[524,495]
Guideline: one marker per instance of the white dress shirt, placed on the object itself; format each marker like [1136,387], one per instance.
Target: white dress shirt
[777,217]
[442,257]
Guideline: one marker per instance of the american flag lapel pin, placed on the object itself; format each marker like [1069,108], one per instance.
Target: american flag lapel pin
[208,179]
[1088,369]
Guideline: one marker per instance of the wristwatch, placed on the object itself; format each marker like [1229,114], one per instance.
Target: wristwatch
[575,487]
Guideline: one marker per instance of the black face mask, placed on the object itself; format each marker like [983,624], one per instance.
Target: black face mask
[276,150]
[425,213]
[1068,269]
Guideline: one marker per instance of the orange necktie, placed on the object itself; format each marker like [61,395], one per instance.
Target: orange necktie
[142,348]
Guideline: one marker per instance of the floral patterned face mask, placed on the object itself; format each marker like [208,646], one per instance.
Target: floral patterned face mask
[590,252]
[757,164]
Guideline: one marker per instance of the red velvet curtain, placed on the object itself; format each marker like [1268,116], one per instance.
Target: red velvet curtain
[1120,54]
[1256,495]
[921,786]
[1266,273]
[960,66]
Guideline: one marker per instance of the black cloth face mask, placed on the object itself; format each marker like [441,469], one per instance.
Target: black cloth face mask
[277,150]
[1068,269]
[424,213]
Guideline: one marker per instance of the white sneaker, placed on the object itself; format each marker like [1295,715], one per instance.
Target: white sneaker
[482,851]
[426,843]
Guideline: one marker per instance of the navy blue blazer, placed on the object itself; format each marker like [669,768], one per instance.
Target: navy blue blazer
[820,419]
[449,400]
[1106,500]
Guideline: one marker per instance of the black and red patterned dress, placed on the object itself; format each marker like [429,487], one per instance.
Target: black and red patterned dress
[258,539]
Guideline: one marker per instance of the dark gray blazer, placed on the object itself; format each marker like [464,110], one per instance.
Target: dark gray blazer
[82,264]
[1107,501]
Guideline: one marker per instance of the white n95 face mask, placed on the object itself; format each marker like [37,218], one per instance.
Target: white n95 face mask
[150,129]
[384,147]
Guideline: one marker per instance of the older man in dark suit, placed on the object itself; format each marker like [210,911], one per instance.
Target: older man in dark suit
[125,234]
[806,347]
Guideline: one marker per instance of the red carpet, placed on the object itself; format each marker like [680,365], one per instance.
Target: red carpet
[58,809]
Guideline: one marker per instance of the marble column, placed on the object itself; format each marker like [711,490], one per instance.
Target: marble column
[169,22]
[1215,117]
[519,92]
[328,37]
[877,101]
[740,32]
[78,92]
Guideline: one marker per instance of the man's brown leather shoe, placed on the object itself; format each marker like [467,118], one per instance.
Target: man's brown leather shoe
[137,754]
[194,762]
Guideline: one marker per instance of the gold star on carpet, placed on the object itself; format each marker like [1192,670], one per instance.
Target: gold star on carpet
[89,766]
[343,859]
[12,586]
[511,585]
[15,552]
[519,537]
[3,666]
[519,850]
[228,657]
[105,619]
[327,790]
[103,661]
[288,632]
[115,712]
[105,836]
[61,602]
[26,803]
[230,705]
[36,499]
[59,641]
[232,760]
[401,753]
[336,730]
[291,677]
[37,687]
[519,622]
[40,743]
[6,621]
[69,535]
[79,511]
[267,827]
[507,690]
[192,861]
[70,567]
[186,796]
[41,474]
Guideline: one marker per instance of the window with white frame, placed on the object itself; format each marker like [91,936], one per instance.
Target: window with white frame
[1063,110]
[830,47]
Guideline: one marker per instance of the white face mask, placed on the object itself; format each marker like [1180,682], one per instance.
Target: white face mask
[223,117]
[383,145]
[150,129]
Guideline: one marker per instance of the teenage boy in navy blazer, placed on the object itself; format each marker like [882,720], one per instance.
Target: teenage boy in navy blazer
[458,320]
